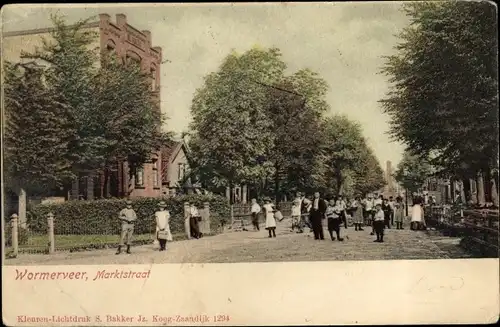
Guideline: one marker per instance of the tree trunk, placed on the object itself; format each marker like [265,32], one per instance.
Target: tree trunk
[480,189]
[277,185]
[90,185]
[244,194]
[494,193]
[23,199]
[107,183]
[487,185]
[228,194]
[75,188]
[102,183]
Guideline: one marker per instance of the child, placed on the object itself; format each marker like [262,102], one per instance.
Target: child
[296,214]
[399,212]
[379,223]
[387,213]
[333,215]
[270,221]
[255,209]
[357,213]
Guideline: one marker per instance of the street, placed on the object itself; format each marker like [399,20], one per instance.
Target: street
[249,246]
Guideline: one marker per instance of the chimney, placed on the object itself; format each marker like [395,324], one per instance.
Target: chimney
[121,20]
[158,49]
[148,36]
[104,17]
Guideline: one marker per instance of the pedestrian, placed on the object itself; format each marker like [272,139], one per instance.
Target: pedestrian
[127,217]
[357,213]
[255,210]
[296,214]
[343,207]
[333,217]
[316,216]
[399,212]
[378,223]
[194,219]
[391,204]
[270,221]
[163,233]
[305,208]
[369,206]
[416,214]
[387,213]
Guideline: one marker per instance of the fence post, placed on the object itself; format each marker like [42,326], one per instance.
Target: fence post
[15,231]
[206,207]
[187,215]
[50,225]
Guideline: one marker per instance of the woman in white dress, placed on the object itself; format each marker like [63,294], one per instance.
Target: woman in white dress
[163,233]
[270,220]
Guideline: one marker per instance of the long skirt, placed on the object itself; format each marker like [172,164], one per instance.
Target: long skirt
[399,215]
[270,221]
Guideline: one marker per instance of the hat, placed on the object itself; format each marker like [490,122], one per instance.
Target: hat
[162,204]
[129,202]
[267,199]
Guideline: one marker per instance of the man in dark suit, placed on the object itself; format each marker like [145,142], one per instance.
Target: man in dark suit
[316,215]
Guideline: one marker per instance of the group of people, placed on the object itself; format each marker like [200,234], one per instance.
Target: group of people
[128,218]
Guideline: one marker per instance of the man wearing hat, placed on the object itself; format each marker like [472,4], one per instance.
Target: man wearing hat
[127,217]
[163,233]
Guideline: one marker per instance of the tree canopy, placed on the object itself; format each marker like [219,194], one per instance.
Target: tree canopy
[254,124]
[105,110]
[444,97]
[413,171]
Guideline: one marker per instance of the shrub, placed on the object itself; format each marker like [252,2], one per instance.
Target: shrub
[101,216]
[22,235]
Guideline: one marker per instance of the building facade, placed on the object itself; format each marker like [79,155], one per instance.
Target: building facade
[130,44]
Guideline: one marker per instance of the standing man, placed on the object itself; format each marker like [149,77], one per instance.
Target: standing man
[316,216]
[127,217]
[343,207]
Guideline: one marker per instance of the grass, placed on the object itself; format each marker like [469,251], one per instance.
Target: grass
[75,243]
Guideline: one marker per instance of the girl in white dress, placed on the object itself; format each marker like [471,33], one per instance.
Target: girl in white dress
[163,233]
[270,221]
[417,214]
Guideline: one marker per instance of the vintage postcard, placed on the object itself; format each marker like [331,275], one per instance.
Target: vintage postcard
[329,163]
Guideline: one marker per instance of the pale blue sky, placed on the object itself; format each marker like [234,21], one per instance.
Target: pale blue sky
[343,42]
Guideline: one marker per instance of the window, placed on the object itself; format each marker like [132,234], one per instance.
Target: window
[139,177]
[153,79]
[155,173]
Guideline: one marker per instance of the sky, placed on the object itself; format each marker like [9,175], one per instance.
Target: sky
[344,42]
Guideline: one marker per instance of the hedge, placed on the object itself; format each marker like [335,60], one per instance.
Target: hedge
[101,216]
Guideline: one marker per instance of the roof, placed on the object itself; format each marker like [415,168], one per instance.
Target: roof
[168,153]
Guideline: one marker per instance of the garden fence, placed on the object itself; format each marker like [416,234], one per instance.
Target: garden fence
[57,235]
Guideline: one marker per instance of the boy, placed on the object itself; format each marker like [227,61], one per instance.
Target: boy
[379,223]
[333,216]
[296,214]
[255,210]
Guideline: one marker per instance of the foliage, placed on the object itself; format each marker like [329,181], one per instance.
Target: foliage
[39,131]
[412,172]
[22,235]
[249,122]
[101,216]
[230,127]
[444,99]
[130,129]
[348,158]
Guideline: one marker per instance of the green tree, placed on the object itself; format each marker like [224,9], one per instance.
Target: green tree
[369,176]
[231,130]
[412,172]
[39,132]
[444,96]
[92,83]
[295,107]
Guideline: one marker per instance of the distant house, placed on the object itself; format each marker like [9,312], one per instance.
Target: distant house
[175,169]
